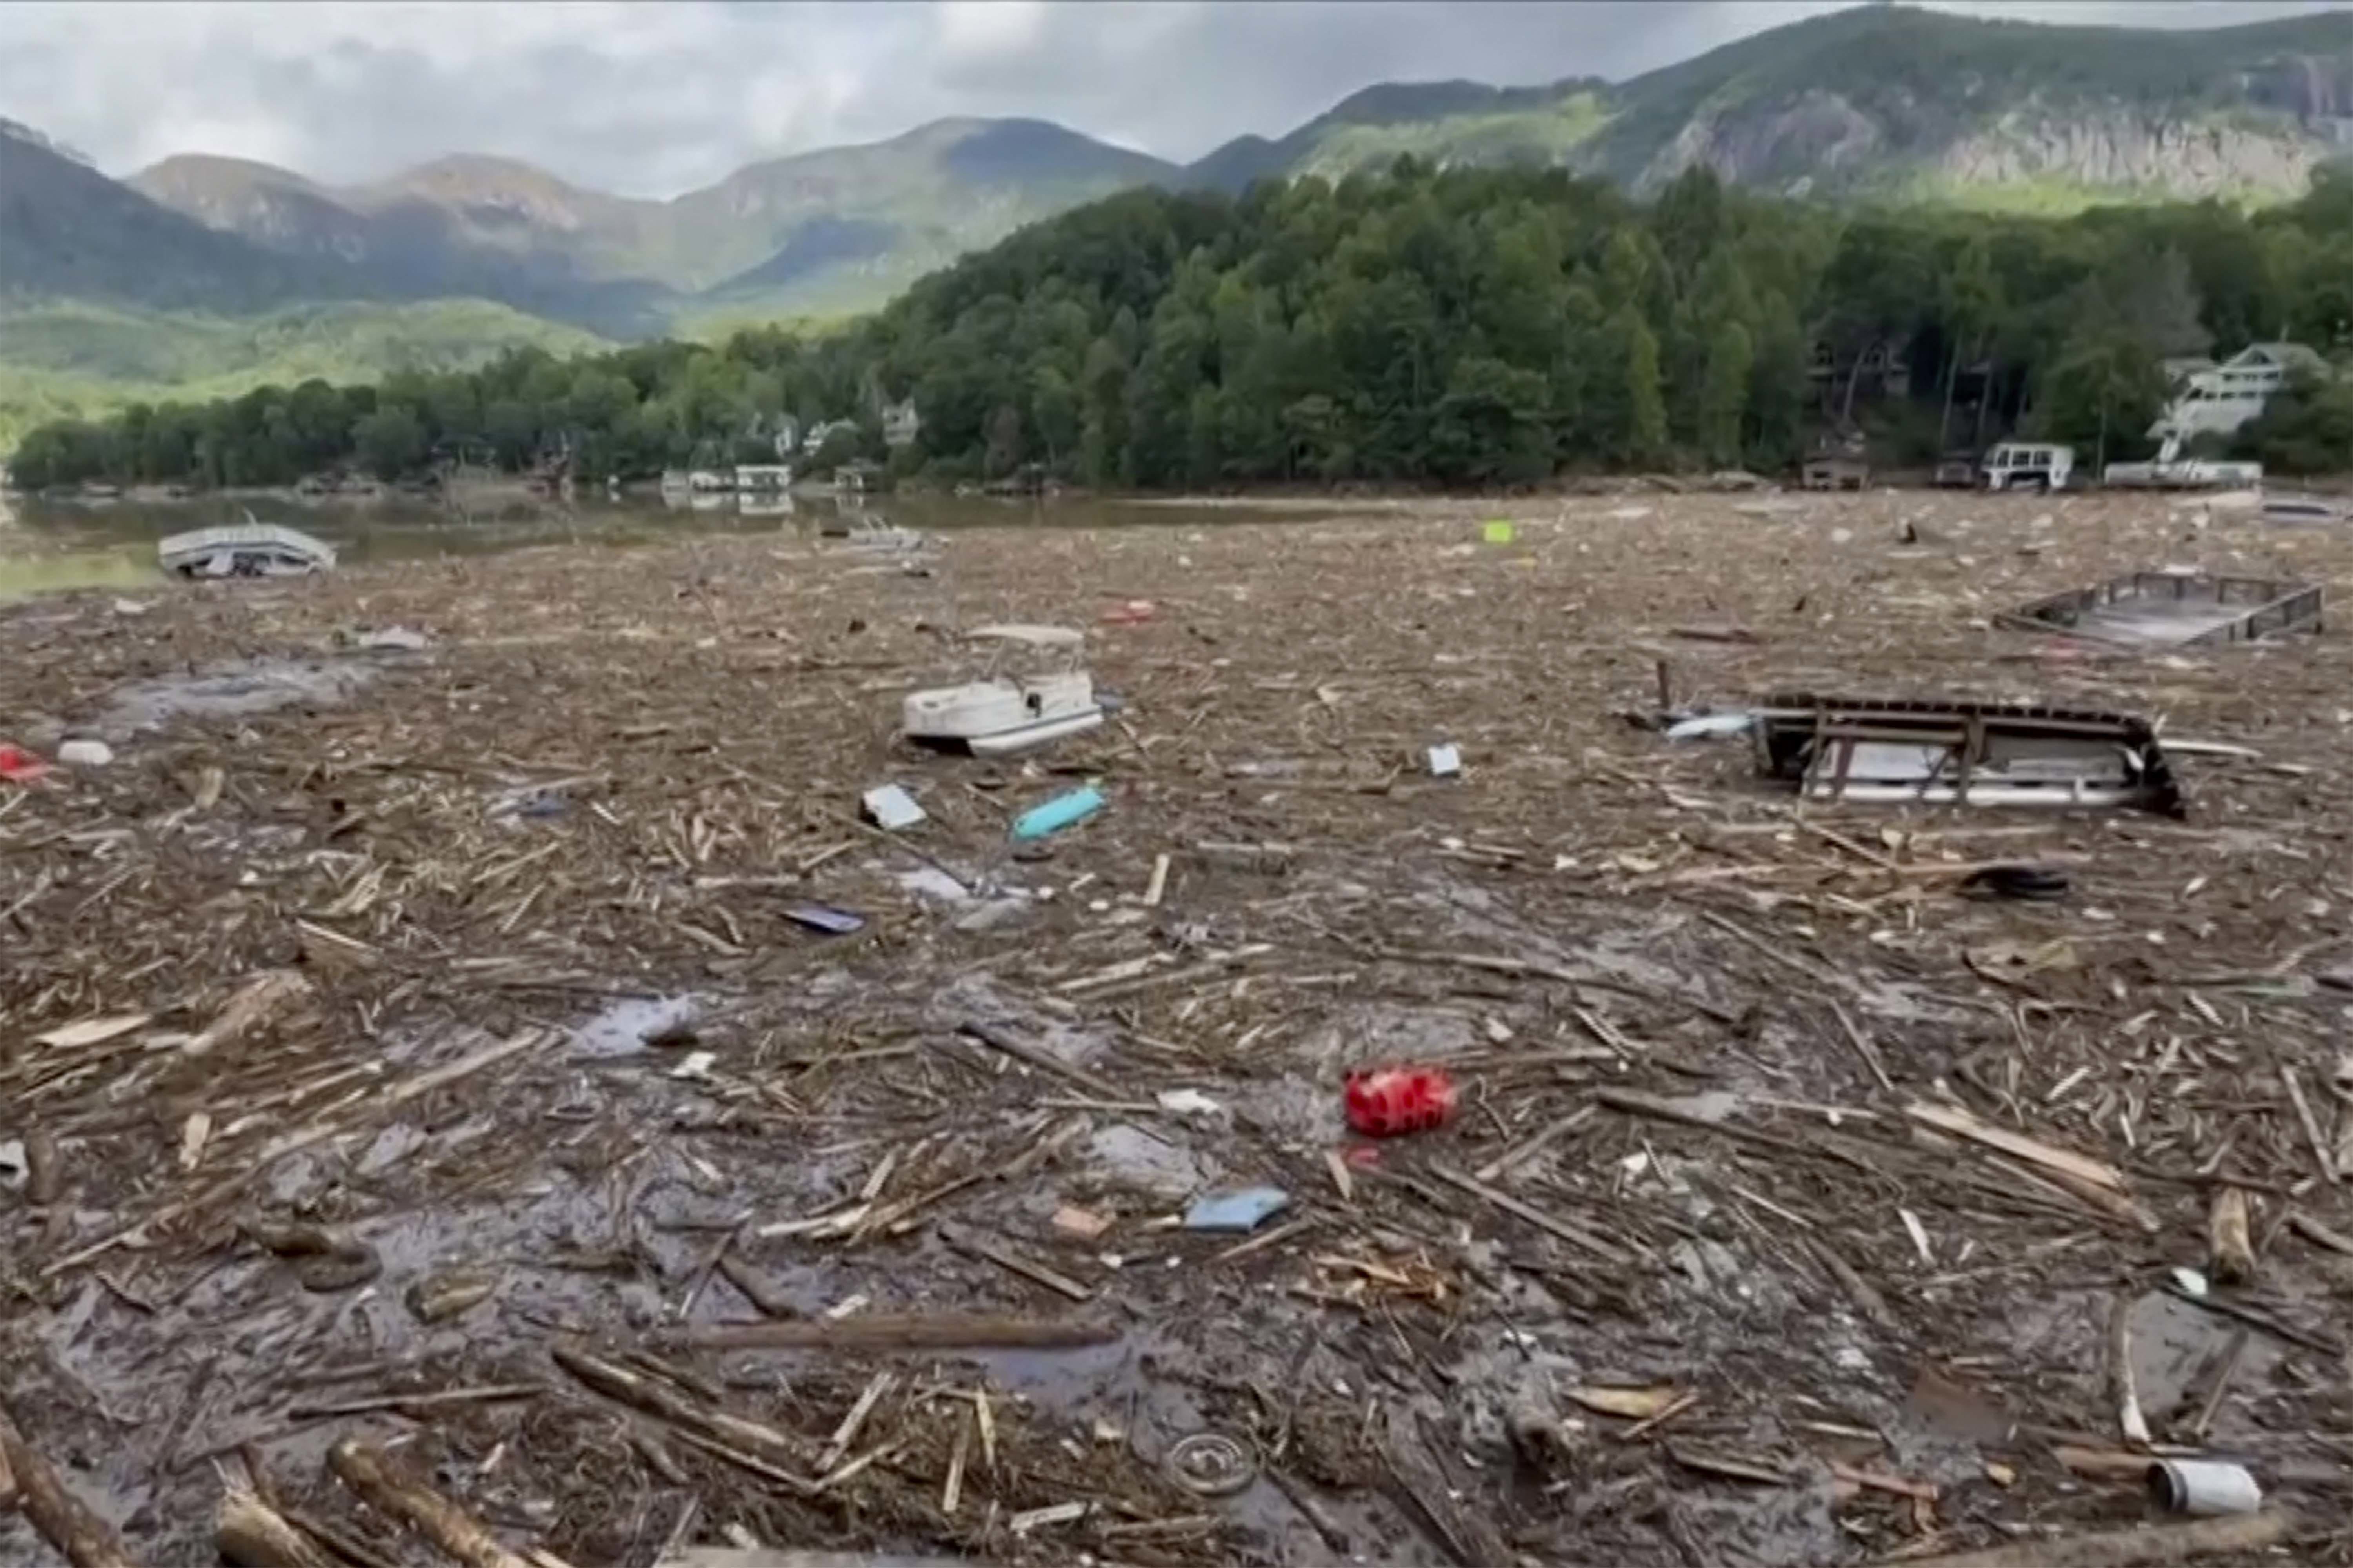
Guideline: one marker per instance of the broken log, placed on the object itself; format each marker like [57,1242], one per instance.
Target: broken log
[2232,1248]
[905,1331]
[252,1534]
[371,1474]
[55,1514]
[792,1557]
[2129,1547]
[761,1448]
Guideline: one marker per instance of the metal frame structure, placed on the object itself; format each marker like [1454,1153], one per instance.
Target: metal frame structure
[2272,607]
[1965,754]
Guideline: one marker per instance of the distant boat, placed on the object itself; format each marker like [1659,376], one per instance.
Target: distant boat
[249,549]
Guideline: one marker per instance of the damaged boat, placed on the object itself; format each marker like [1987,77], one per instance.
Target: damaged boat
[249,549]
[1967,753]
[1009,711]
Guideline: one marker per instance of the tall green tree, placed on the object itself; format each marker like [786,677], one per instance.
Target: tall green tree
[390,443]
[1723,395]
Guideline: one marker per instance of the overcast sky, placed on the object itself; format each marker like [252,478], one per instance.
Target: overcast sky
[660,96]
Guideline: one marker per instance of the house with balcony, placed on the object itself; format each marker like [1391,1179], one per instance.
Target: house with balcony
[2211,399]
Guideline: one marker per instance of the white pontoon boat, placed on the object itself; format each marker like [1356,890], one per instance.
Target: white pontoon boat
[244,550]
[1001,714]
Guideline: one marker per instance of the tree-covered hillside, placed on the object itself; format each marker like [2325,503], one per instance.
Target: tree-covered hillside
[1473,327]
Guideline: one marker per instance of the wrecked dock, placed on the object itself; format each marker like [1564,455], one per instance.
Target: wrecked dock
[2174,609]
[1963,754]
[520,1100]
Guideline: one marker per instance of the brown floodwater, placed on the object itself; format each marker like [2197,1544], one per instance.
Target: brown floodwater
[51,546]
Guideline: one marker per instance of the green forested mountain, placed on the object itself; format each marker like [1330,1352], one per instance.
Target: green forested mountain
[1464,327]
[1881,104]
[68,231]
[836,229]
[1884,101]
[1892,101]
[106,296]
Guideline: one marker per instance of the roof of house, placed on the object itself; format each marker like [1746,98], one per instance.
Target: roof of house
[2294,356]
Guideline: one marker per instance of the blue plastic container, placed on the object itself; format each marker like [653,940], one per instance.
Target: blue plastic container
[1058,812]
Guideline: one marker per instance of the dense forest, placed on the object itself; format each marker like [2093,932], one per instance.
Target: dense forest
[1476,327]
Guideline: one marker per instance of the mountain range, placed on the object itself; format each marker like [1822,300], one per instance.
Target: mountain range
[1879,102]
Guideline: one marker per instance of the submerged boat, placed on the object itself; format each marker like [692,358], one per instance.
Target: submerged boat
[875,533]
[249,549]
[1001,714]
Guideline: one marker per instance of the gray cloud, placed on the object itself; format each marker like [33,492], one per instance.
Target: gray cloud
[652,99]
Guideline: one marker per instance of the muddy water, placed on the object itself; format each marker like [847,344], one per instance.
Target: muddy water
[58,546]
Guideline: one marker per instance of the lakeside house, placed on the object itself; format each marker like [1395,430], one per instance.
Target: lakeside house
[901,424]
[2212,399]
[763,477]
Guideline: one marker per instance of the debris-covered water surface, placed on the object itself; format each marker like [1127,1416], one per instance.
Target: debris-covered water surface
[496,1078]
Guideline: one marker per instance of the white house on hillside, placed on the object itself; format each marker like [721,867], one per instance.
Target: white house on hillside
[2216,399]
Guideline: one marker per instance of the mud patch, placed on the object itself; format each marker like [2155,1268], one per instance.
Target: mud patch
[632,1023]
[237,691]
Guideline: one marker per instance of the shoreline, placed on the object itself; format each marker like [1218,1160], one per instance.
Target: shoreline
[518,496]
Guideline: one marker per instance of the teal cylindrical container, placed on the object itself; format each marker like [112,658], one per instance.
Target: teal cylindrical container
[1058,812]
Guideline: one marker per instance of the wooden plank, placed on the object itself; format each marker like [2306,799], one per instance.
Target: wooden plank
[1961,1123]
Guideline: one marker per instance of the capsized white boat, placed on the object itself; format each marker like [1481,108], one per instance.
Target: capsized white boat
[1001,714]
[244,550]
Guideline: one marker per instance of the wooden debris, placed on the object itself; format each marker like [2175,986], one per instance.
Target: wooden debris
[434,1399]
[92,1031]
[1863,1047]
[1684,1020]
[2102,1464]
[2322,1154]
[257,1003]
[794,1557]
[43,1169]
[1004,1257]
[371,1475]
[847,1433]
[1085,1224]
[1962,1124]
[752,1444]
[55,1514]
[1731,1466]
[2225,1368]
[252,1534]
[2229,1248]
[1881,1481]
[1575,1236]
[2130,1420]
[2130,1548]
[1045,1061]
[905,1331]
[2319,1234]
[1637,1404]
